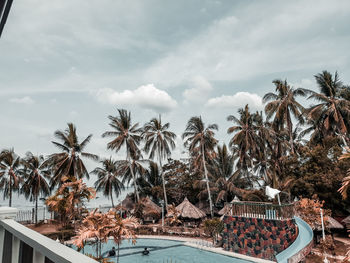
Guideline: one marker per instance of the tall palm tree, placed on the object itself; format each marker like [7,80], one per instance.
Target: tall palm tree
[151,182]
[35,175]
[282,105]
[333,111]
[131,170]
[68,163]
[108,180]
[160,142]
[201,142]
[9,173]
[125,134]
[246,143]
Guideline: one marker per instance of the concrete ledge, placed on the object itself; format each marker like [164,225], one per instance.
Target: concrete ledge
[8,212]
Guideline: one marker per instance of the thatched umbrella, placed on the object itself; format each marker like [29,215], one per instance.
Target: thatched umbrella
[189,211]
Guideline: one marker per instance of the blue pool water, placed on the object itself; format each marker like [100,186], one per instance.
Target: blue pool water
[163,251]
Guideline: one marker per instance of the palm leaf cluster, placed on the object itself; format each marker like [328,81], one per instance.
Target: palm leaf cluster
[100,226]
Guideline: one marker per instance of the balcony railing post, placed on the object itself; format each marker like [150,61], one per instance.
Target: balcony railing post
[15,249]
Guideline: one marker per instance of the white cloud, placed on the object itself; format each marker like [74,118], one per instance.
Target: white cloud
[240,47]
[24,100]
[238,100]
[73,114]
[146,96]
[199,91]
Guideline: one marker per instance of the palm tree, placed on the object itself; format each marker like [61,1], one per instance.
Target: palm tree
[102,226]
[131,170]
[282,105]
[159,141]
[35,174]
[69,199]
[333,111]
[246,143]
[9,173]
[201,142]
[150,182]
[68,163]
[124,133]
[346,181]
[108,178]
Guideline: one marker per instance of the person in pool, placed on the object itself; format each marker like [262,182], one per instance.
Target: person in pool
[111,253]
[145,252]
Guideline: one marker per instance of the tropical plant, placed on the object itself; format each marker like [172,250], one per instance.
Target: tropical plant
[68,163]
[10,176]
[346,181]
[35,176]
[101,226]
[131,170]
[310,211]
[107,178]
[159,141]
[331,115]
[246,143]
[125,134]
[282,105]
[201,142]
[69,199]
[150,183]
[180,181]
[213,227]
[173,216]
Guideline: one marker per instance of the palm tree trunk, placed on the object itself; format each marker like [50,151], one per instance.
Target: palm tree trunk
[290,131]
[36,209]
[134,179]
[10,193]
[163,181]
[118,254]
[111,193]
[207,181]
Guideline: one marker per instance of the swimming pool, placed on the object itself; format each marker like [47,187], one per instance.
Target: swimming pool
[163,251]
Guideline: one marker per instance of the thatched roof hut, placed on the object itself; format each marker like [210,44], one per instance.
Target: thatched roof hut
[331,224]
[226,209]
[205,207]
[150,208]
[334,224]
[346,220]
[127,204]
[189,211]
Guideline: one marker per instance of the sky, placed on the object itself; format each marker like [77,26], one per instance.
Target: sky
[78,61]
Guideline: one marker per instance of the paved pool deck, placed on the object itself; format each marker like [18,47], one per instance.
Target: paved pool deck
[195,242]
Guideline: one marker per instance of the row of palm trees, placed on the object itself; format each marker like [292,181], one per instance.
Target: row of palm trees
[258,145]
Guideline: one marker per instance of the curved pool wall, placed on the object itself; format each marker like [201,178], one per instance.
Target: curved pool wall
[163,251]
[300,247]
[258,237]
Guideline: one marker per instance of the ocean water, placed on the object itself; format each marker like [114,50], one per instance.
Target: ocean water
[20,202]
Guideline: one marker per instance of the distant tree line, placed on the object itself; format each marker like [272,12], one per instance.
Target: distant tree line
[293,148]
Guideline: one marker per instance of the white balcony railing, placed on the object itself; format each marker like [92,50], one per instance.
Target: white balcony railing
[20,244]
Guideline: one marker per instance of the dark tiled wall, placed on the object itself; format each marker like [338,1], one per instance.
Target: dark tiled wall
[262,238]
